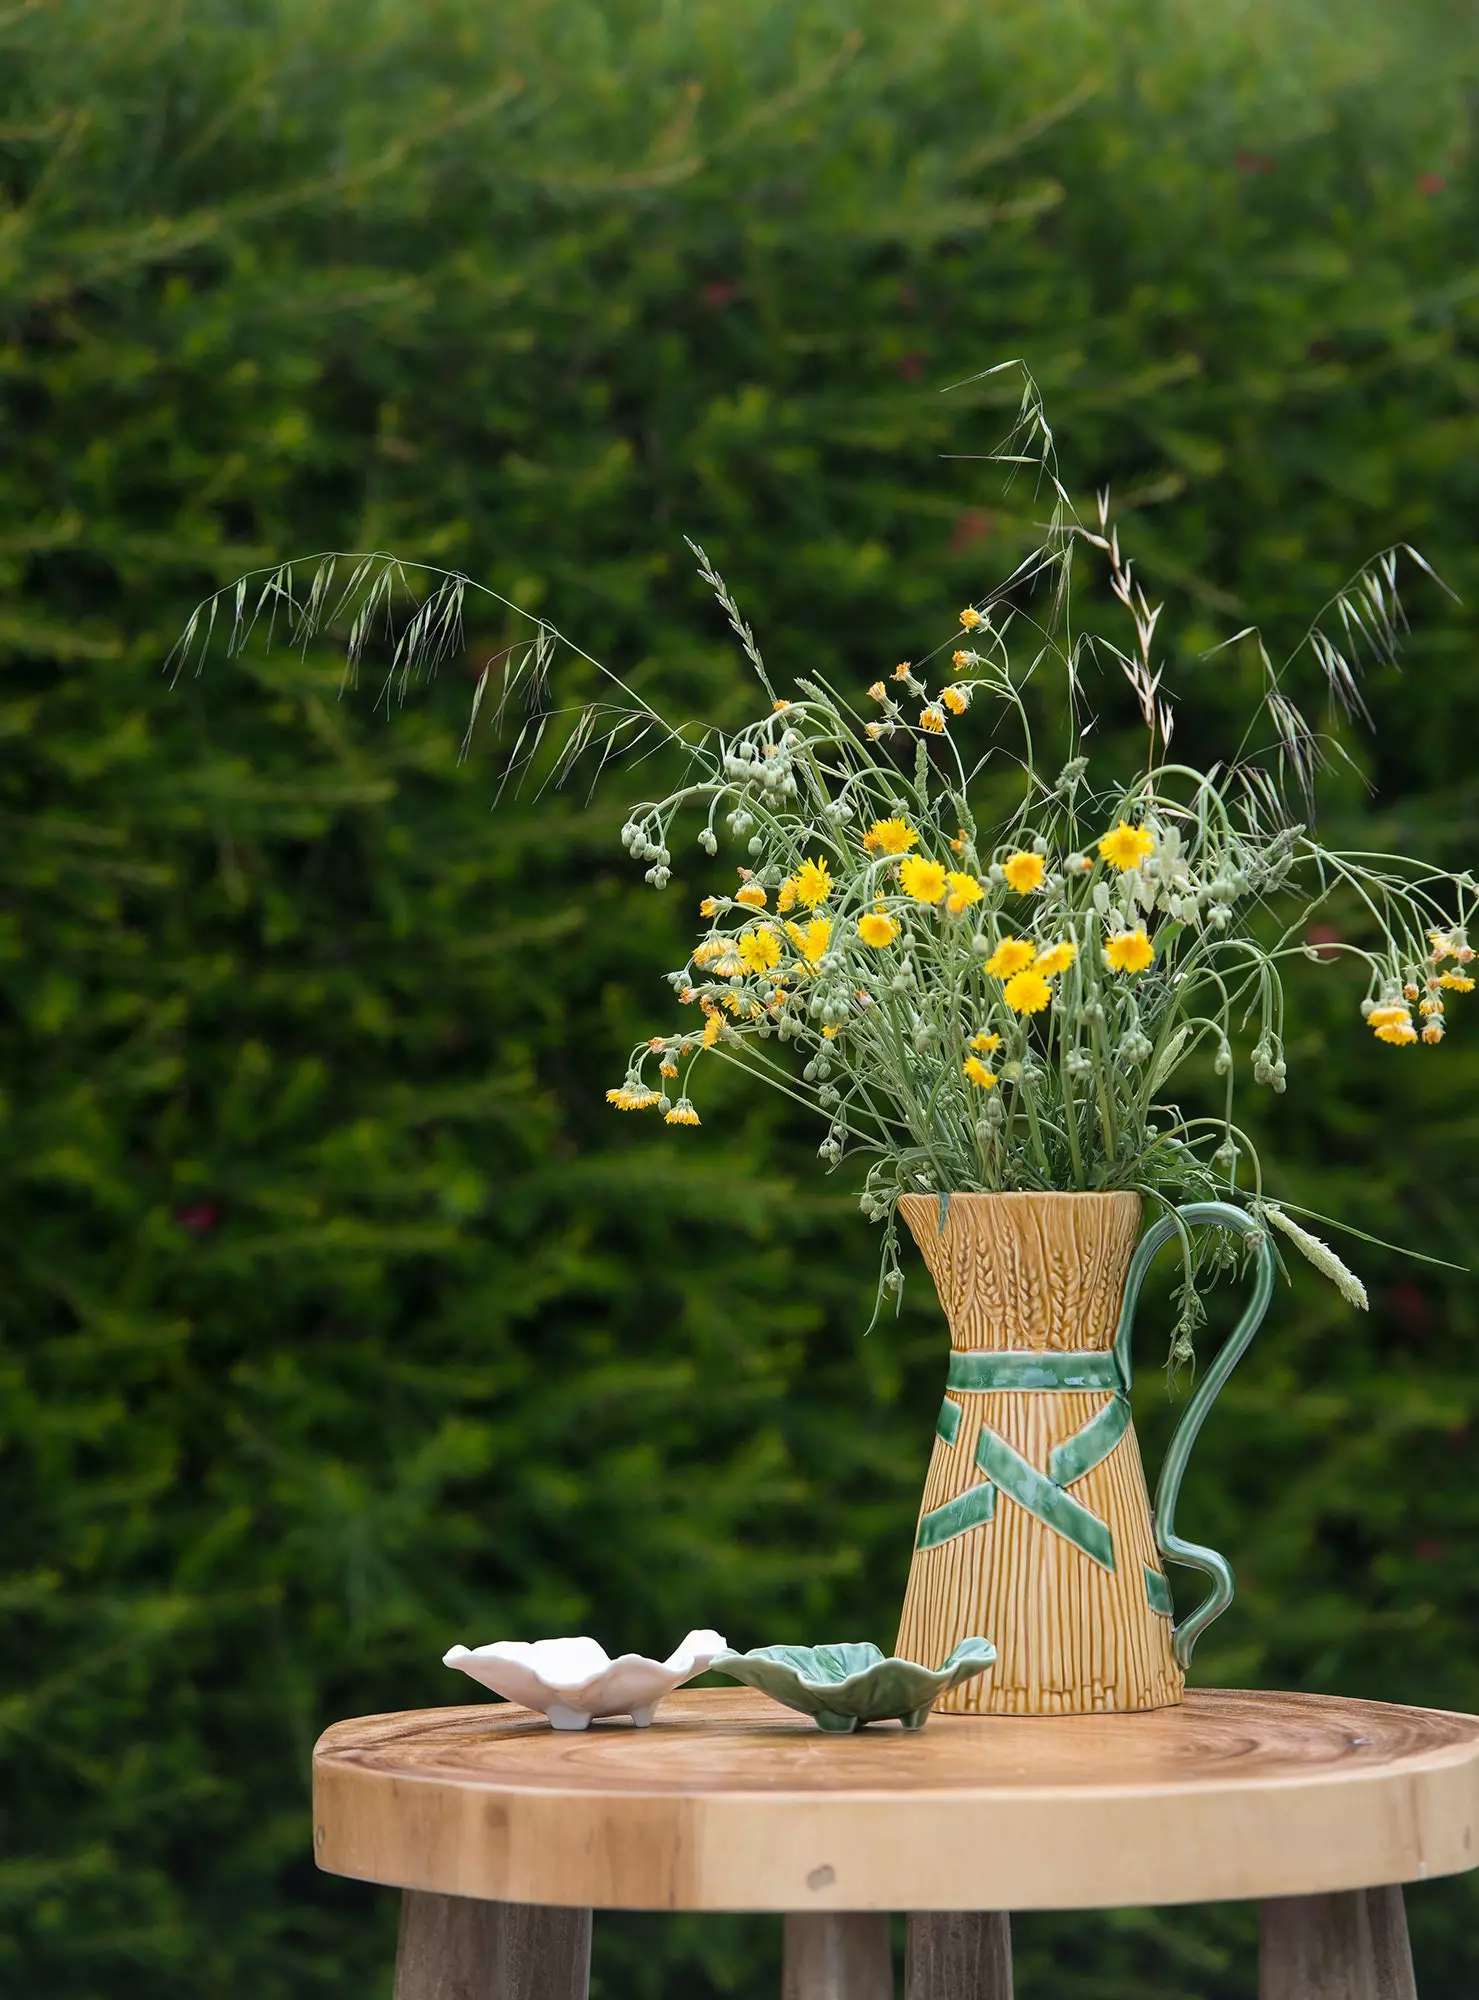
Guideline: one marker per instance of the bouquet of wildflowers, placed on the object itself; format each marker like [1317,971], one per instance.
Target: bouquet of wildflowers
[982,970]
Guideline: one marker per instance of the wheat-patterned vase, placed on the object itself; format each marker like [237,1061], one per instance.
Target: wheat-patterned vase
[1036,1529]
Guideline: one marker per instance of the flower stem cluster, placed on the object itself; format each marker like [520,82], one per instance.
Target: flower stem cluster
[1005,1007]
[993,964]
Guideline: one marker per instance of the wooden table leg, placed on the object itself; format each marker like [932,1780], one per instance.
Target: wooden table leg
[458,1948]
[837,1955]
[1345,1947]
[960,1955]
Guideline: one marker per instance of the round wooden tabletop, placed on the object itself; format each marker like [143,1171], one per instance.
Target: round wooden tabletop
[730,1802]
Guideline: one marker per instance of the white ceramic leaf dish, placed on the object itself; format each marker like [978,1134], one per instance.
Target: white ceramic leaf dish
[574,1681]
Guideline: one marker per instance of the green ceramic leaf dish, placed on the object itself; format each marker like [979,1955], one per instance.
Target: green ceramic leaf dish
[843,1686]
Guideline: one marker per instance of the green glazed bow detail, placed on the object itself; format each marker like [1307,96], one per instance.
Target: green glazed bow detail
[1044,1495]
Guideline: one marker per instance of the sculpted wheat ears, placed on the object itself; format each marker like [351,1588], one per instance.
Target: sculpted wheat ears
[972,1003]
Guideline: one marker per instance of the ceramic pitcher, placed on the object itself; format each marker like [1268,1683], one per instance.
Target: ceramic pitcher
[1036,1528]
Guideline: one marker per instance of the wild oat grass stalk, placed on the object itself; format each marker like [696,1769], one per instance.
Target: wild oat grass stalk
[969,1005]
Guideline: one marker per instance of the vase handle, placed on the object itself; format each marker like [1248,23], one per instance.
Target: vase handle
[1173,1471]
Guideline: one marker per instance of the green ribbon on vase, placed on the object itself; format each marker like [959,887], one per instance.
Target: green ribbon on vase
[978,1368]
[1043,1495]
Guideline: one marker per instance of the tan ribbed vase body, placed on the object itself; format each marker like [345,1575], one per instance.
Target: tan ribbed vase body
[1037,1272]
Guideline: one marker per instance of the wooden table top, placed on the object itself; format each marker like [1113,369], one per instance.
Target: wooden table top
[730,1802]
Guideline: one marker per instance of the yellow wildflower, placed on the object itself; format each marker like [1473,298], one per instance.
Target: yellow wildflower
[632,1097]
[667,1069]
[877,929]
[876,729]
[1442,945]
[878,692]
[1456,982]
[971,618]
[714,1027]
[1433,1033]
[758,950]
[1432,1005]
[786,897]
[978,1073]
[656,1045]
[1024,871]
[960,659]
[1027,992]
[751,895]
[1131,951]
[813,883]
[710,951]
[682,1113]
[830,1031]
[811,940]
[1011,955]
[932,719]
[776,707]
[890,836]
[957,700]
[985,1043]
[921,879]
[1126,846]
[1409,991]
[1386,1014]
[964,890]
[687,997]
[903,670]
[1057,958]
[709,907]
[1399,1033]
[960,842]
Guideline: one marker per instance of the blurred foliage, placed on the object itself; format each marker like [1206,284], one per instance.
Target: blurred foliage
[342,1320]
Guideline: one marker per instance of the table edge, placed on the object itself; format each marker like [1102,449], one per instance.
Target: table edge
[656,1847]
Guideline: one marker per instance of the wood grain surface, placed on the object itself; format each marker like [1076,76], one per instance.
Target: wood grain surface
[455,1948]
[959,1956]
[1037,1273]
[730,1802]
[837,1955]
[1351,1947]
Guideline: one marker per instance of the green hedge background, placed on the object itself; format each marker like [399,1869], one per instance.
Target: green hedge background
[341,1319]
